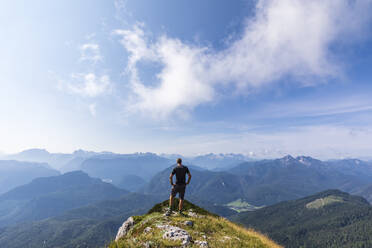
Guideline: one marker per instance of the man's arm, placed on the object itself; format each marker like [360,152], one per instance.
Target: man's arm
[189,177]
[171,179]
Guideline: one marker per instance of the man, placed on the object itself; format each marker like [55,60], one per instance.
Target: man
[180,186]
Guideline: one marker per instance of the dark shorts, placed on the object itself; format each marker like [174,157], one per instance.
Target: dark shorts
[180,189]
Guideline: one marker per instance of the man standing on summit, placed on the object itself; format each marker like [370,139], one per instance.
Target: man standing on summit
[180,186]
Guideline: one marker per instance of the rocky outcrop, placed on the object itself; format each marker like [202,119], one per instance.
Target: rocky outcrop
[175,233]
[201,243]
[124,229]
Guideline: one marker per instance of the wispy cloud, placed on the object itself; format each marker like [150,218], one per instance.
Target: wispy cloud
[122,11]
[92,109]
[284,38]
[90,52]
[89,85]
[329,105]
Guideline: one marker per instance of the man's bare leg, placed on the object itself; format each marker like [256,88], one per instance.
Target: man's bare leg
[180,205]
[169,210]
[170,201]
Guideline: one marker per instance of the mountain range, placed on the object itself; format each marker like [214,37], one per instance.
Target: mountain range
[291,178]
[64,161]
[93,225]
[55,160]
[49,196]
[218,162]
[89,205]
[15,173]
[71,210]
[115,167]
[267,182]
[259,183]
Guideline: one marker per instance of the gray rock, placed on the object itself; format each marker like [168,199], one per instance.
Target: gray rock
[192,214]
[168,212]
[201,243]
[175,233]
[188,223]
[124,229]
[147,229]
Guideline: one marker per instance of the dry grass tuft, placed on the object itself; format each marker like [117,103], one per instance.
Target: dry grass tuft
[251,232]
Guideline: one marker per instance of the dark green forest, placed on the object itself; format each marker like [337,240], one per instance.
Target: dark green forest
[315,221]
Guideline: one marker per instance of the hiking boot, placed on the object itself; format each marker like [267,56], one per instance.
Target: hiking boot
[168,212]
[180,212]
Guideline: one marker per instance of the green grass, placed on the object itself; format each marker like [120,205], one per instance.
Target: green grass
[217,231]
[186,207]
[240,205]
[321,202]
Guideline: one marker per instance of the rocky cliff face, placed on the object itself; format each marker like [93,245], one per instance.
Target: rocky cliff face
[194,228]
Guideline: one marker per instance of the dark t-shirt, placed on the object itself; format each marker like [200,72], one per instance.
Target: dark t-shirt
[180,172]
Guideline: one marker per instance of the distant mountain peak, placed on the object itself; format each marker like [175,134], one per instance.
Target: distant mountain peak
[144,154]
[35,151]
[81,152]
[304,157]
[288,159]
[222,156]
[354,161]
[306,160]
[75,173]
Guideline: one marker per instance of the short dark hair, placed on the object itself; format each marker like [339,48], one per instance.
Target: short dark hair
[179,160]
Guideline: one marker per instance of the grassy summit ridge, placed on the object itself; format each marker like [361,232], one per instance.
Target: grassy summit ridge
[206,228]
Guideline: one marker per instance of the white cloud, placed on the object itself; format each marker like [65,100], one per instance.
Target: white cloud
[89,85]
[284,38]
[92,109]
[90,52]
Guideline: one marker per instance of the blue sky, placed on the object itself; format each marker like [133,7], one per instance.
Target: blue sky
[264,78]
